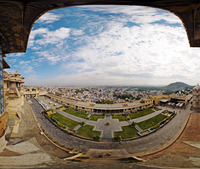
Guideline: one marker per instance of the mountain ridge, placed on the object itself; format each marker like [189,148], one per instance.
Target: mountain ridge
[177,86]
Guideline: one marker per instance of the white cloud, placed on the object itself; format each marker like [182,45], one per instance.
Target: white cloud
[140,52]
[49,18]
[27,66]
[151,52]
[52,57]
[54,37]
[34,33]
[44,36]
[137,14]
[77,32]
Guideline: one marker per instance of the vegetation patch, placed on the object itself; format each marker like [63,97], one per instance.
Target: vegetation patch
[87,131]
[130,160]
[140,113]
[82,123]
[117,138]
[121,117]
[62,120]
[105,101]
[128,132]
[96,137]
[151,122]
[75,160]
[95,117]
[73,112]
[84,157]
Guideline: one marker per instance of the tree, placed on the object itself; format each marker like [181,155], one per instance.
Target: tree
[133,124]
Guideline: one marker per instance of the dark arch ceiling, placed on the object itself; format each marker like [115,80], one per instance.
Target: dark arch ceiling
[18,16]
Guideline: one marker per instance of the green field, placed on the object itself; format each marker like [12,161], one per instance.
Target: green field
[95,117]
[64,120]
[128,132]
[151,122]
[121,117]
[86,131]
[80,114]
[140,113]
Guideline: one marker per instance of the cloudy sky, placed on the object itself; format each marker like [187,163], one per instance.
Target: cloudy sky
[107,45]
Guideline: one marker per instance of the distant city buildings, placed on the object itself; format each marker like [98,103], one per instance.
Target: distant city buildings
[115,100]
[102,94]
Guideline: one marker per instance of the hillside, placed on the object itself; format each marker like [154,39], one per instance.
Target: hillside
[172,87]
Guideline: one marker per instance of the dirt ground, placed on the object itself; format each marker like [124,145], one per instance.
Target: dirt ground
[28,129]
[180,154]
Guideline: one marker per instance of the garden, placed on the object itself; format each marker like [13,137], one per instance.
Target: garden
[95,117]
[73,112]
[120,117]
[64,121]
[88,132]
[137,114]
[133,130]
[151,122]
[128,132]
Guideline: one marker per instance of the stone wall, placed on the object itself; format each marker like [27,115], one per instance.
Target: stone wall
[196,99]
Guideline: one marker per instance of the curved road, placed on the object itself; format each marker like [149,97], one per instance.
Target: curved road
[141,145]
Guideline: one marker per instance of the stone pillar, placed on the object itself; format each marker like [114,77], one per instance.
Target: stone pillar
[3,116]
[196,99]
[1,83]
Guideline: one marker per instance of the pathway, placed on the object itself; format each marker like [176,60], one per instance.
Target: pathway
[75,118]
[107,130]
[143,118]
[99,125]
[140,119]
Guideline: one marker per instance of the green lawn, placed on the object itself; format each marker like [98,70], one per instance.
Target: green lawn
[64,120]
[86,131]
[128,132]
[140,113]
[121,117]
[80,114]
[151,122]
[95,117]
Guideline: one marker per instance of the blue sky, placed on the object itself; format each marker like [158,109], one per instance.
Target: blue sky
[107,45]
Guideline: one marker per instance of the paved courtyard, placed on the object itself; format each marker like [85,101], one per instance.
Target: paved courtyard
[140,146]
[29,149]
[107,126]
[107,131]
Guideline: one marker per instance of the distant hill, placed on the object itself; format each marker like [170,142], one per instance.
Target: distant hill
[172,87]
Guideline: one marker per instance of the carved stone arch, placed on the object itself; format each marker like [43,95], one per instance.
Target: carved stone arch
[17,17]
[197,26]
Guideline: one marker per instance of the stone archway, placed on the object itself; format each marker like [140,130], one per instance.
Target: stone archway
[18,17]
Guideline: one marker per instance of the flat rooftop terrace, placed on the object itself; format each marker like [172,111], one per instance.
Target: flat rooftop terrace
[91,105]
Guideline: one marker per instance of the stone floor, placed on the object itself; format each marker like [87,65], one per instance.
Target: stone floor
[107,126]
[144,145]
[107,131]
[185,152]
[29,149]
[43,155]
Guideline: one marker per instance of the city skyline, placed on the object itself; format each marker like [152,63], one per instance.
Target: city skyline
[107,45]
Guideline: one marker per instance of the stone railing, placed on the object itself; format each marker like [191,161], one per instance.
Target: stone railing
[3,123]
[3,129]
